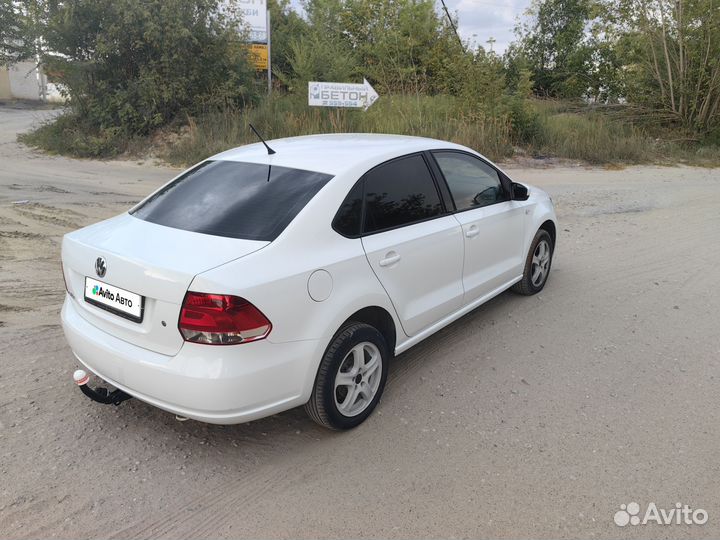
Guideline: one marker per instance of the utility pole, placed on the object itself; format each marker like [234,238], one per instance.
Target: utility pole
[452,24]
[269,57]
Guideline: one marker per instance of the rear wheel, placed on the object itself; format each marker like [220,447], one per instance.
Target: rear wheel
[351,378]
[537,265]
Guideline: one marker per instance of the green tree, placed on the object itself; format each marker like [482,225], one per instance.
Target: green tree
[286,26]
[314,57]
[17,30]
[399,45]
[321,51]
[484,85]
[671,53]
[445,62]
[132,66]
[394,40]
[556,47]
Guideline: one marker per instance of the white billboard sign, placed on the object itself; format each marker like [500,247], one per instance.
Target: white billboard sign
[331,94]
[254,15]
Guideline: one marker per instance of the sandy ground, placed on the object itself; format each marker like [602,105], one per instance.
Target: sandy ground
[529,417]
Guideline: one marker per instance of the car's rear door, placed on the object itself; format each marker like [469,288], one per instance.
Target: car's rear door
[414,246]
[492,224]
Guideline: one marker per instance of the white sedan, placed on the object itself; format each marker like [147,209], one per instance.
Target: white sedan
[256,282]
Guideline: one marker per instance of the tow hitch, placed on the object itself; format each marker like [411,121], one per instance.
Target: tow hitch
[100,394]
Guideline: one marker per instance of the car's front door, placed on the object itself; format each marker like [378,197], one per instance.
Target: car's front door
[492,224]
[412,244]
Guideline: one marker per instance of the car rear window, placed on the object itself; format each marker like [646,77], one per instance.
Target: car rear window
[234,199]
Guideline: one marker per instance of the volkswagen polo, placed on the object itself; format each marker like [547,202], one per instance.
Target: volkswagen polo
[269,277]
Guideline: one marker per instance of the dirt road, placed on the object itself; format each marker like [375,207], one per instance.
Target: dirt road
[529,417]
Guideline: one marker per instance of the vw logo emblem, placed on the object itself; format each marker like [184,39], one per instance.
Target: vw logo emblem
[100,267]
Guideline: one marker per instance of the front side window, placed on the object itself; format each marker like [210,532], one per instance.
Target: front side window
[234,199]
[472,182]
[398,193]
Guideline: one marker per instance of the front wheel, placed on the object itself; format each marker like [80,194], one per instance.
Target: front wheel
[350,379]
[537,265]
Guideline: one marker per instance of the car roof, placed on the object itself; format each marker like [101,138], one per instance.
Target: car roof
[333,153]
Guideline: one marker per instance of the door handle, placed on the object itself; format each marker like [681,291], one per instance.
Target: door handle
[390,258]
[472,231]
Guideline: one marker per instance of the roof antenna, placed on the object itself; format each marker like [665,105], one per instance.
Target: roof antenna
[255,131]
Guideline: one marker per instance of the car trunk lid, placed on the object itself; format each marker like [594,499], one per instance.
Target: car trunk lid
[154,261]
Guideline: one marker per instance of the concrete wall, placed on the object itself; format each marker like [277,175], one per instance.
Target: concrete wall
[22,81]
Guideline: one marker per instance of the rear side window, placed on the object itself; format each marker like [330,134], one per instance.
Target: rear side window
[399,193]
[348,218]
[233,199]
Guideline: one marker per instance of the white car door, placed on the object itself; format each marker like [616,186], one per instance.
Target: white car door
[412,244]
[492,224]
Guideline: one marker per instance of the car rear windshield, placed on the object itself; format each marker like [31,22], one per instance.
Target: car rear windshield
[229,198]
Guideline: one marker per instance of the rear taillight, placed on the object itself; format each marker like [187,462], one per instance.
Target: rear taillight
[221,319]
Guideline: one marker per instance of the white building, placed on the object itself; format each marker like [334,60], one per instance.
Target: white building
[25,80]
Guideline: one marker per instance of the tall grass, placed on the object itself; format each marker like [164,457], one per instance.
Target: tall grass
[570,130]
[440,117]
[544,128]
[591,138]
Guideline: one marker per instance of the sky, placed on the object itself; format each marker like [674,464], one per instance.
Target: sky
[481,20]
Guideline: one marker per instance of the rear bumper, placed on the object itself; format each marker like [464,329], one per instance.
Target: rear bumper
[214,384]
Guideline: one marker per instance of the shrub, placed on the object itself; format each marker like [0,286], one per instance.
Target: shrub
[130,67]
[68,134]
[524,120]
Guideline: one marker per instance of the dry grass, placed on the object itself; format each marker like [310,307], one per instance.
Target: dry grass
[544,128]
[438,117]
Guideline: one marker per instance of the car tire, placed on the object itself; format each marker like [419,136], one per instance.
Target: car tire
[347,386]
[537,265]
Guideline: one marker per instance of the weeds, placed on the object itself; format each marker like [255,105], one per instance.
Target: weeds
[549,128]
[285,116]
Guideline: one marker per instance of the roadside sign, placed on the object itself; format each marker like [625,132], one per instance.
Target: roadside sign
[351,95]
[254,17]
[259,55]
[256,31]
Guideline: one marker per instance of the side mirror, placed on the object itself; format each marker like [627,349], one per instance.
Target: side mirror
[519,192]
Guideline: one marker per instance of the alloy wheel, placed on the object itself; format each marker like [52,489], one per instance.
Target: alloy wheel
[358,379]
[540,263]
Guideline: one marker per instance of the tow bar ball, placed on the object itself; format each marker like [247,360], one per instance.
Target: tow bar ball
[80,377]
[100,394]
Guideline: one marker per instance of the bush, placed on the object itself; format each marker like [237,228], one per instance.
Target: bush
[68,134]
[524,120]
[130,67]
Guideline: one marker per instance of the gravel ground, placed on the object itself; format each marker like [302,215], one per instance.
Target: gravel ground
[530,417]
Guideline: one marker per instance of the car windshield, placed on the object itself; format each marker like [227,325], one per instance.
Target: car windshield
[235,199]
